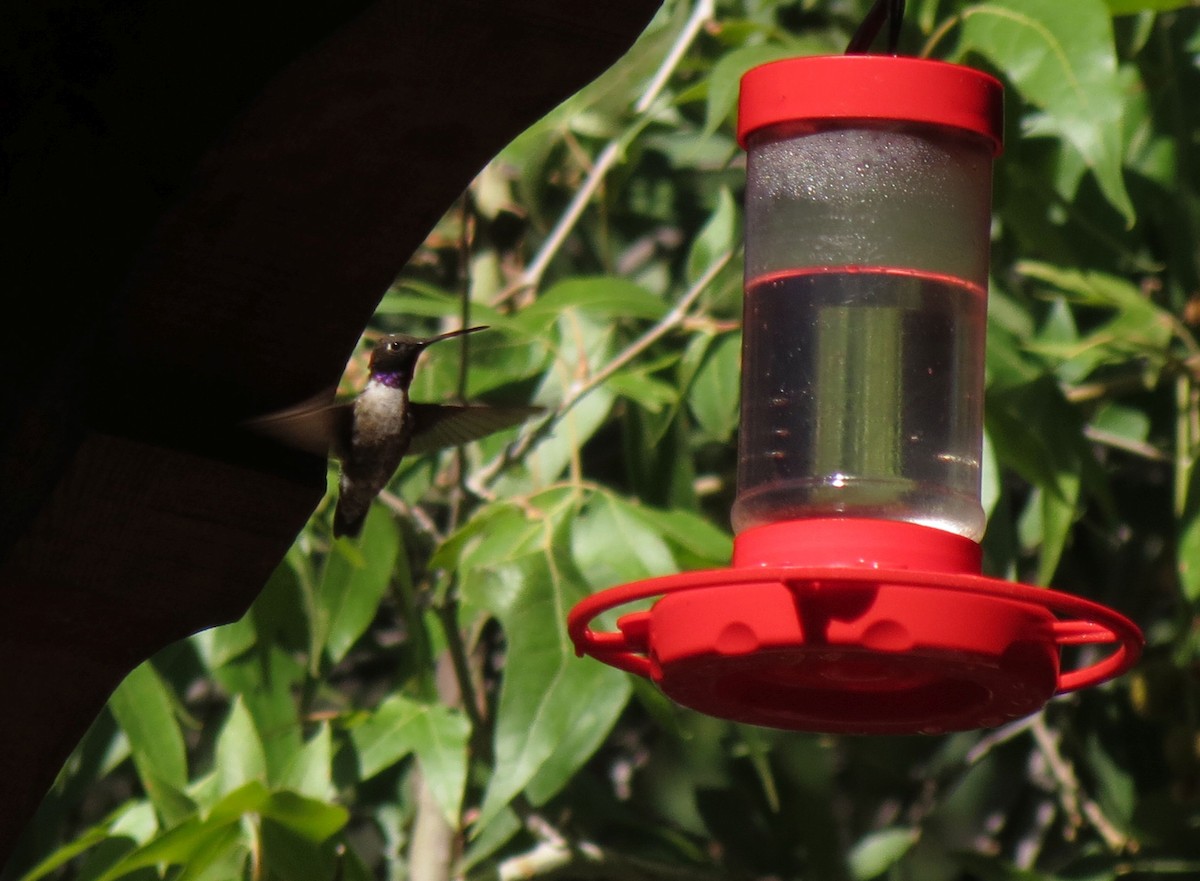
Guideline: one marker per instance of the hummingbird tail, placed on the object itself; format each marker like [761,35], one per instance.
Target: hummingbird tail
[345,524]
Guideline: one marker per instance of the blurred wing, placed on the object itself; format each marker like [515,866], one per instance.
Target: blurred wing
[442,425]
[322,429]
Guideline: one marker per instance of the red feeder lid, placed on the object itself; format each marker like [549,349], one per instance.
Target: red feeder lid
[884,628]
[871,87]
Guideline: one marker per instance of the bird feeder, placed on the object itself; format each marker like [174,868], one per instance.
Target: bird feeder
[855,601]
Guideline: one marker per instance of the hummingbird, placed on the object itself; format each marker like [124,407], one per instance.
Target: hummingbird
[372,434]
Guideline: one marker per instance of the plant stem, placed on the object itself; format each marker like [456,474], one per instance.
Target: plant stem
[432,852]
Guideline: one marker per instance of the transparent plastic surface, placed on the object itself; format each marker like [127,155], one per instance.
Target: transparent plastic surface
[893,194]
[861,396]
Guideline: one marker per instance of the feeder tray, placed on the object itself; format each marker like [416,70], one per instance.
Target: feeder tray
[887,628]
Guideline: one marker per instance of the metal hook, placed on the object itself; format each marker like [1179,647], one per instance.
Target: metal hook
[891,11]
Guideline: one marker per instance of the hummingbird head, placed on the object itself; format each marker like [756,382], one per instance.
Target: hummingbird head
[394,357]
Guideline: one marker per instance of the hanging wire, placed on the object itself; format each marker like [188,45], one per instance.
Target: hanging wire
[891,11]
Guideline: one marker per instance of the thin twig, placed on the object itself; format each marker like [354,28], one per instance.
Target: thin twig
[1128,445]
[607,158]
[995,738]
[587,860]
[413,513]
[1071,795]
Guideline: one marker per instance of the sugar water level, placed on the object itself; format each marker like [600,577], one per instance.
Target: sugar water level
[861,397]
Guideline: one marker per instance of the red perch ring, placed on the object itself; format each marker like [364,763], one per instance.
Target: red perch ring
[887,628]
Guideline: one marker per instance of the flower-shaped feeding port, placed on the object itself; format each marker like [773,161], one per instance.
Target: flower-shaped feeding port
[855,601]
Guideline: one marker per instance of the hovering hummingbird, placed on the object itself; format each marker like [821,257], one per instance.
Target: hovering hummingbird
[375,431]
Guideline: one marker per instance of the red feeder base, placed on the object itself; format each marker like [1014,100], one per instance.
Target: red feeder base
[884,628]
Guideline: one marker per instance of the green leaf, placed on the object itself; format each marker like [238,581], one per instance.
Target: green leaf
[637,385]
[715,393]
[144,707]
[68,852]
[1132,7]
[877,852]
[352,587]
[718,236]
[548,696]
[989,488]
[1123,422]
[240,756]
[309,818]
[1188,555]
[1115,785]
[435,733]
[286,855]
[585,348]
[724,80]
[690,532]
[486,840]
[1054,459]
[310,771]
[265,682]
[614,542]
[194,843]
[218,646]
[605,296]
[1140,331]
[1062,58]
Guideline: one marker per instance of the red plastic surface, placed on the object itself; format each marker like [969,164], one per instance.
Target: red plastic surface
[821,88]
[857,641]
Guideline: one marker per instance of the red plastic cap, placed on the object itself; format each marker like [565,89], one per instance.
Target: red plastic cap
[871,87]
[856,542]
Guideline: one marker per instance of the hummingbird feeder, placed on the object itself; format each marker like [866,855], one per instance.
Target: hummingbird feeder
[855,601]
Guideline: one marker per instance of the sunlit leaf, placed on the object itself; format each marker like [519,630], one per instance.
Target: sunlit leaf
[607,296]
[716,391]
[310,771]
[529,588]
[717,237]
[726,75]
[436,734]
[614,542]
[308,817]
[145,710]
[240,757]
[1061,57]
[879,851]
[351,588]
[1130,7]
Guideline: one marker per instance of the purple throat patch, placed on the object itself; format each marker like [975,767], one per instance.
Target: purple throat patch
[391,380]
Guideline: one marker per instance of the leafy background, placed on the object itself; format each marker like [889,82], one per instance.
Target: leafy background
[408,706]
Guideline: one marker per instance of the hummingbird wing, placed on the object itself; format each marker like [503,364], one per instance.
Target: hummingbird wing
[447,425]
[319,426]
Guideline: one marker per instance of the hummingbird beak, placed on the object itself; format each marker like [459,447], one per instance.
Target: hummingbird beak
[453,333]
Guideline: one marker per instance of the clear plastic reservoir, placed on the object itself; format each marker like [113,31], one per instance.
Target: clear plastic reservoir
[864,323]
[861,397]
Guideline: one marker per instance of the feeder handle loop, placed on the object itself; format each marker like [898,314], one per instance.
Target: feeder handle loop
[1090,624]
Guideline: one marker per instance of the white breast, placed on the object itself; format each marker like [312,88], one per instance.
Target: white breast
[379,409]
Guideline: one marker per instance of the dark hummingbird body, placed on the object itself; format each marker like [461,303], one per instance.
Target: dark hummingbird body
[374,432]
[382,425]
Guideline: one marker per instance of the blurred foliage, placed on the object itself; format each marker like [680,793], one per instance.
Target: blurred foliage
[408,705]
